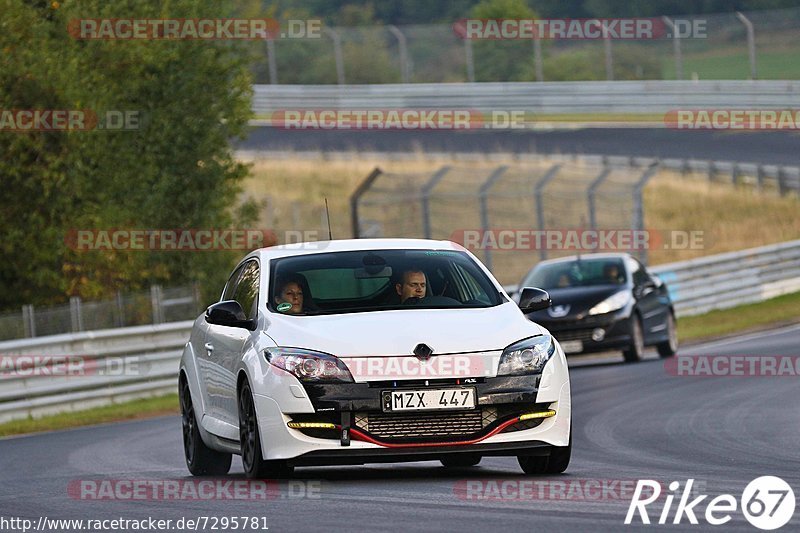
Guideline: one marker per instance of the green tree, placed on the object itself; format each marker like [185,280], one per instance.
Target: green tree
[175,171]
[502,60]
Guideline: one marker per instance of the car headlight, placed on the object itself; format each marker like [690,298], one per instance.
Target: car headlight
[309,366]
[527,356]
[612,303]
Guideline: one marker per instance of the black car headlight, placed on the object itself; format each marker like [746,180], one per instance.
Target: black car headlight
[527,356]
[309,366]
[615,302]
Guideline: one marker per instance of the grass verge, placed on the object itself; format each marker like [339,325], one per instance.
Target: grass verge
[132,410]
[784,308]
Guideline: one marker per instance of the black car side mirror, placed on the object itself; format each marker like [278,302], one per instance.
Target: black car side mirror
[647,286]
[532,299]
[229,313]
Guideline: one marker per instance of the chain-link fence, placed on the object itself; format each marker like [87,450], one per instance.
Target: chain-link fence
[757,44]
[496,211]
[156,306]
[512,216]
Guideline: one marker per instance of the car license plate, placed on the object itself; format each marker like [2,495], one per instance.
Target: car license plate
[430,399]
[572,346]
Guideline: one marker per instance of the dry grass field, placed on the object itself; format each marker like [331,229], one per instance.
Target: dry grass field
[292,193]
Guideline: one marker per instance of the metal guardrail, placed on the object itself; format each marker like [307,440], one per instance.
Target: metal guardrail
[127,363]
[730,279]
[652,97]
[89,369]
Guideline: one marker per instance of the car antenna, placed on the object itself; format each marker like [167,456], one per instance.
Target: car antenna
[328,217]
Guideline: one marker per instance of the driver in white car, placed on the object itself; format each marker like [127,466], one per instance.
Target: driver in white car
[413,284]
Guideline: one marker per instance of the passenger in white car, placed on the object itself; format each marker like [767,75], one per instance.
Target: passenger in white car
[290,289]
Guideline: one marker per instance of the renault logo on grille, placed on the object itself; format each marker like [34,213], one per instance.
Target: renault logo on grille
[423,351]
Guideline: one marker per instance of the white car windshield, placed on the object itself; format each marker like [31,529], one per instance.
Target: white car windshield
[378,280]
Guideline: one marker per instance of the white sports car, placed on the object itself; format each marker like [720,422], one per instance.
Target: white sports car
[371,350]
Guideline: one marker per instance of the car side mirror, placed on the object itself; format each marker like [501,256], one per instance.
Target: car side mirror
[532,299]
[646,287]
[229,313]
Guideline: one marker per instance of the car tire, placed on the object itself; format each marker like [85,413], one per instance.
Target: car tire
[255,467]
[669,347]
[462,460]
[200,459]
[635,350]
[555,463]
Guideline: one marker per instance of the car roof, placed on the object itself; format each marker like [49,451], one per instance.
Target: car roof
[352,245]
[599,256]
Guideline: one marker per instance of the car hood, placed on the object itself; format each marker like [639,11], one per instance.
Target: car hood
[575,302]
[397,332]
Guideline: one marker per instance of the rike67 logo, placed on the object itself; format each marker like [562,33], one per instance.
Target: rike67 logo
[767,503]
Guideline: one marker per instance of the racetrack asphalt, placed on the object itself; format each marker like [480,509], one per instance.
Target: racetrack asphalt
[631,421]
[766,147]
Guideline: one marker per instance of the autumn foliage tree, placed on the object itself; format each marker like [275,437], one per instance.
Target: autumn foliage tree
[174,170]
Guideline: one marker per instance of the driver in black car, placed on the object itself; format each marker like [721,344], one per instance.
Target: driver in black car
[413,284]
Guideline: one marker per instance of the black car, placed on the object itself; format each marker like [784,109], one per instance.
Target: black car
[605,302]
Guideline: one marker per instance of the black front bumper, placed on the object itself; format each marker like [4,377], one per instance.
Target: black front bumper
[354,456]
[357,409]
[616,328]
[367,396]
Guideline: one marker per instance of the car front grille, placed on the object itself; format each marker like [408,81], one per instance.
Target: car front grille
[420,427]
[426,426]
[584,335]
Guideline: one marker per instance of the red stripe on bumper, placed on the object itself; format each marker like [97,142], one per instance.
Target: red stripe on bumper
[366,438]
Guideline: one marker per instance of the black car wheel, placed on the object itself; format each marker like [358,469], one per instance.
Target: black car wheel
[255,467]
[201,460]
[670,346]
[635,350]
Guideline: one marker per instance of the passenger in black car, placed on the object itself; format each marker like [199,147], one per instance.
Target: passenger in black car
[611,273]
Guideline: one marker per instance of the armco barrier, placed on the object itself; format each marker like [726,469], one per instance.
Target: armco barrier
[727,280]
[120,364]
[574,98]
[698,285]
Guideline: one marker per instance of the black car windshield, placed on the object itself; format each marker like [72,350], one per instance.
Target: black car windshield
[378,280]
[577,273]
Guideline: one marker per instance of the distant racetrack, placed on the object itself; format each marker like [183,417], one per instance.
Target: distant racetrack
[775,147]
